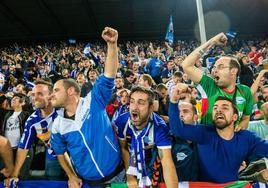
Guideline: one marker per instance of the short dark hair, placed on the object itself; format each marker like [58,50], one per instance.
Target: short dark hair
[223,98]
[81,73]
[44,82]
[148,78]
[128,73]
[171,58]
[149,92]
[68,83]
[93,70]
[161,86]
[21,96]
[178,74]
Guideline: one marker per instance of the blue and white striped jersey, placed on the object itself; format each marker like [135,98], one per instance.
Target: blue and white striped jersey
[157,136]
[89,139]
[36,126]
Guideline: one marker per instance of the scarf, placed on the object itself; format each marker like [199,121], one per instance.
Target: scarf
[137,152]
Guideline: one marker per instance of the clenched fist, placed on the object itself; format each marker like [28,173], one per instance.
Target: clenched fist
[219,40]
[110,35]
[179,92]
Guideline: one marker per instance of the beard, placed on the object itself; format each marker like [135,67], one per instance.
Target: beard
[221,123]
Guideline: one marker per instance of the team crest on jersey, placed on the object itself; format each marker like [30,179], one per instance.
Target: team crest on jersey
[181,156]
[240,100]
[147,140]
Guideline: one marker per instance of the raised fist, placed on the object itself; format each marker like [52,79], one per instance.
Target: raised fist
[179,92]
[219,40]
[110,35]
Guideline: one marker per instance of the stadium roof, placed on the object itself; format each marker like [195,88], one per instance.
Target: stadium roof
[135,19]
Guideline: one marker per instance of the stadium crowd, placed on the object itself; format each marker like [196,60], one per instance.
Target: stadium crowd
[181,112]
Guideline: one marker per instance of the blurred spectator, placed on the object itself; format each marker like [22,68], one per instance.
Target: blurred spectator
[168,71]
[92,76]
[129,79]
[162,92]
[176,78]
[247,71]
[84,85]
[254,55]
[13,127]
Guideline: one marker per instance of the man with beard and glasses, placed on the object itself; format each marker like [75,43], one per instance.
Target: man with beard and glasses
[82,128]
[143,130]
[220,148]
[225,71]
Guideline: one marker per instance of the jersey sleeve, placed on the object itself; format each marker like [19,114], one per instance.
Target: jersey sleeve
[120,124]
[162,136]
[102,92]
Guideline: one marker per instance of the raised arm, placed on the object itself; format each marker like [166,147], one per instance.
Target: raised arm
[188,65]
[110,36]
[254,87]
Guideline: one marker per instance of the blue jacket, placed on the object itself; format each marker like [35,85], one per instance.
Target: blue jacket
[89,139]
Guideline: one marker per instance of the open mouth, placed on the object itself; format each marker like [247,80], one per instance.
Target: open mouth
[219,117]
[216,78]
[135,116]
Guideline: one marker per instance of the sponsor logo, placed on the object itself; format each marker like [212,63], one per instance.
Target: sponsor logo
[181,156]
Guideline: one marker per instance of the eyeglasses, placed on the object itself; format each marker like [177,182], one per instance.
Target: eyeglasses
[220,67]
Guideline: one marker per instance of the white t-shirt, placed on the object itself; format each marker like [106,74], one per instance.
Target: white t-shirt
[12,131]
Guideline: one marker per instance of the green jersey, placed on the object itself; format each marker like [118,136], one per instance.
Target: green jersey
[210,91]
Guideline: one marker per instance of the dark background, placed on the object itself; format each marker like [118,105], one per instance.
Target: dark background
[42,20]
